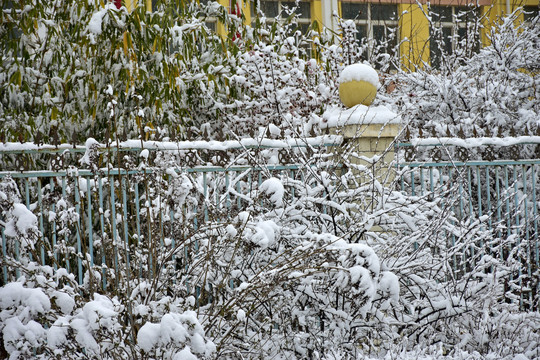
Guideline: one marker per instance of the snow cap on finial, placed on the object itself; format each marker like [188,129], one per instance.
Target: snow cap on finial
[358,84]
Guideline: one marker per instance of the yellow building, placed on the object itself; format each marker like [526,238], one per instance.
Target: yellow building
[407,20]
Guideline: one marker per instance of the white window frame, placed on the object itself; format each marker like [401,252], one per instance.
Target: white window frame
[369,22]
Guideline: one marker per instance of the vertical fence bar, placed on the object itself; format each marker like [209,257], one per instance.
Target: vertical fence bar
[413,193]
[27,201]
[453,237]
[78,209]
[536,245]
[126,234]
[138,220]
[41,227]
[90,227]
[102,227]
[526,228]
[53,209]
[499,210]
[113,224]
[4,256]
[421,180]
[517,232]
[205,194]
[66,237]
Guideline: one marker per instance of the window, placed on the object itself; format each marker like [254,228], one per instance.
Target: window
[453,28]
[530,12]
[373,21]
[272,9]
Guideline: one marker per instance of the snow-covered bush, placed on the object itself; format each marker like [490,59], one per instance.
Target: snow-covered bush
[491,92]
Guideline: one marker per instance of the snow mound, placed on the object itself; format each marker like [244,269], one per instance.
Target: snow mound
[275,189]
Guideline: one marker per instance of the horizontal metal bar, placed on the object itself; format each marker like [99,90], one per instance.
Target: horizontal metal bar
[116,171]
[472,142]
[469,163]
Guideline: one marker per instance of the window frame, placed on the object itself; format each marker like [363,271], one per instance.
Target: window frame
[369,23]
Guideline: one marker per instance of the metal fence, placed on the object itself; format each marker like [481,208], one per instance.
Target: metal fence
[127,198]
[501,195]
[90,218]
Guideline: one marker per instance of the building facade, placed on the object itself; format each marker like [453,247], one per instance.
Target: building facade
[422,29]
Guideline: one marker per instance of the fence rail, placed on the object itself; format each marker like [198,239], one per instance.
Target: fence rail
[501,194]
[89,218]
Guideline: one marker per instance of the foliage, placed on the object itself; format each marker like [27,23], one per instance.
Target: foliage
[75,69]
[321,262]
[493,92]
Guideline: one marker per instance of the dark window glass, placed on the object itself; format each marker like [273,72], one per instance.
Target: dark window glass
[381,35]
[530,12]
[303,9]
[383,12]
[442,13]
[437,49]
[211,25]
[362,31]
[354,11]
[270,8]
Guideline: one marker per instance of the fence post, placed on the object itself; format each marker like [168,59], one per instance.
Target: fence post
[368,136]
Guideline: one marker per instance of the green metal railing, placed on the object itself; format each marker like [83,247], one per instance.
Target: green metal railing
[126,201]
[93,218]
[501,194]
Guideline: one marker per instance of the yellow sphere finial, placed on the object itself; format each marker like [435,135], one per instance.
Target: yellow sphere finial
[358,84]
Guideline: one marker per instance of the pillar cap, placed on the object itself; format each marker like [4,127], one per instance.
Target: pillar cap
[378,116]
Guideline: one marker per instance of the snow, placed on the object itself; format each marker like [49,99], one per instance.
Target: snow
[476,142]
[336,116]
[359,72]
[265,233]
[241,315]
[184,145]
[22,222]
[64,301]
[95,24]
[148,336]
[15,294]
[185,355]
[389,285]
[275,189]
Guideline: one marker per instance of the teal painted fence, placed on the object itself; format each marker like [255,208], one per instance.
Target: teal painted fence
[502,194]
[96,217]
[108,211]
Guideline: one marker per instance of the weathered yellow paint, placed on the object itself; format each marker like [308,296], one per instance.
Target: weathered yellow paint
[246,10]
[497,10]
[413,26]
[148,5]
[130,4]
[221,30]
[355,92]
[316,12]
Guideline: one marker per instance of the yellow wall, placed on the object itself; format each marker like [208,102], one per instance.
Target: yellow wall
[414,26]
[316,12]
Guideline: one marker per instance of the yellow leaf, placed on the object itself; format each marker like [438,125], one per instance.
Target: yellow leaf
[125,43]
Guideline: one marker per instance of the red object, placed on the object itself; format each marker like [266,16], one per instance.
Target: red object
[235,10]
[117,3]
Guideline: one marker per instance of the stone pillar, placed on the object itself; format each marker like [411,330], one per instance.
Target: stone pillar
[368,134]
